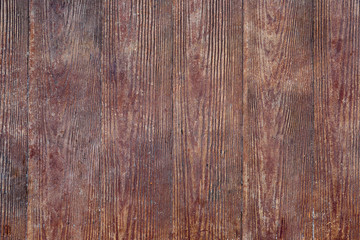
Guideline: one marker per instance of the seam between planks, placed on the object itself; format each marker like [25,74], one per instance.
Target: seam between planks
[313,119]
[27,116]
[242,118]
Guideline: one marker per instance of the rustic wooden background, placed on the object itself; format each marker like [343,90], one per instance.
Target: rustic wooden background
[179,119]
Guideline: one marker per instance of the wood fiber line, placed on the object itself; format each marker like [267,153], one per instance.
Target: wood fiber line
[278,119]
[64,119]
[207,119]
[136,166]
[13,118]
[179,119]
[336,67]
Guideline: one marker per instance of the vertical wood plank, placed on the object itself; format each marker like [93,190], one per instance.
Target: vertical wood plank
[207,119]
[278,119]
[13,118]
[64,119]
[336,65]
[136,166]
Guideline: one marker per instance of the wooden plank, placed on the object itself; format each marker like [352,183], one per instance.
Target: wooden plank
[278,119]
[136,166]
[13,118]
[64,119]
[336,68]
[207,119]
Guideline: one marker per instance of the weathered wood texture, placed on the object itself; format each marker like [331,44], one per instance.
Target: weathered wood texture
[278,119]
[179,119]
[207,119]
[64,119]
[336,68]
[136,163]
[13,118]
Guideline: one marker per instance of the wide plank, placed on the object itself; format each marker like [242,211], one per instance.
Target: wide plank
[136,162]
[337,139]
[64,119]
[207,119]
[13,118]
[278,119]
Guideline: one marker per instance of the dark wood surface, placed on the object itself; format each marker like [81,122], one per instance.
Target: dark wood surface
[336,102]
[278,120]
[172,119]
[64,120]
[14,30]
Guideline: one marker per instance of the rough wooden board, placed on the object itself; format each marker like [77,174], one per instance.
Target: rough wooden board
[136,165]
[13,118]
[145,117]
[278,119]
[64,119]
[336,68]
[207,119]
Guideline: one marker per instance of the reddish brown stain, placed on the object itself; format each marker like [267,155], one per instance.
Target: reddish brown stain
[170,119]
[5,231]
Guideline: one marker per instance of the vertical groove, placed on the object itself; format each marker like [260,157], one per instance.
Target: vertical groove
[27,112]
[101,153]
[242,116]
[313,118]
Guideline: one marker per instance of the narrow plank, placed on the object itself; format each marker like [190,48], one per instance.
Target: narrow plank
[207,119]
[13,118]
[336,68]
[278,119]
[64,119]
[136,165]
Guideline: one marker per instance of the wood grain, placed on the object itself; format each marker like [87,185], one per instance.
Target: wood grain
[278,119]
[172,119]
[136,163]
[207,119]
[336,68]
[64,119]
[13,118]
